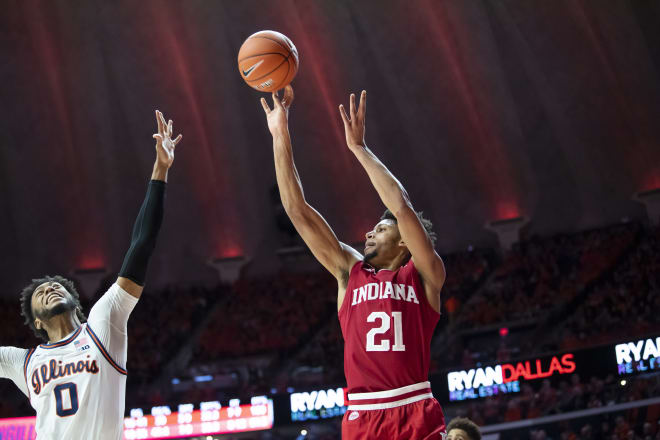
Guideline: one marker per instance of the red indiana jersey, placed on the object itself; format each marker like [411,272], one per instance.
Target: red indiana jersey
[387,324]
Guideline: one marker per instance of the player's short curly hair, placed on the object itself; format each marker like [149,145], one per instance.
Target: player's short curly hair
[467,425]
[428,225]
[26,302]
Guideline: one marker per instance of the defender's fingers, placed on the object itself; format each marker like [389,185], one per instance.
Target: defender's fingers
[352,106]
[169,127]
[344,116]
[160,123]
[178,138]
[264,104]
[362,109]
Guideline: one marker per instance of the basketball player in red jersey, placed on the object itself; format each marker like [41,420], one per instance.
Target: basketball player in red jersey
[388,300]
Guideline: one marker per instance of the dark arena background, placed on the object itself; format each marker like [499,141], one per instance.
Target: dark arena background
[527,131]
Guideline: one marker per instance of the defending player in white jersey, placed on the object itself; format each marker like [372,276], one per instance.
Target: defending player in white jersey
[76,381]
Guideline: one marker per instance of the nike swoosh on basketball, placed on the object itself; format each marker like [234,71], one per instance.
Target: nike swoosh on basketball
[247,72]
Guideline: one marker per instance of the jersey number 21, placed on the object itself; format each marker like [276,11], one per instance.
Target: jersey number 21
[385,325]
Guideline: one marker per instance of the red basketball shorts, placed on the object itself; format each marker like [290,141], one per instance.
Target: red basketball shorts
[421,420]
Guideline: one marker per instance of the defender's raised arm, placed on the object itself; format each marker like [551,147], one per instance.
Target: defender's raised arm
[145,231]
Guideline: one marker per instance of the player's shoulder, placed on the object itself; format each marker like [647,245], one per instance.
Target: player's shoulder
[116,289]
[13,354]
[15,359]
[114,295]
[11,349]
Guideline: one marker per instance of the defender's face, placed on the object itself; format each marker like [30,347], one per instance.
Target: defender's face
[383,240]
[50,299]
[457,434]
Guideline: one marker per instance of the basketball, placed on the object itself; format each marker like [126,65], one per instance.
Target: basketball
[268,61]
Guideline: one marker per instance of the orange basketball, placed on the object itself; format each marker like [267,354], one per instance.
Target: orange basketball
[268,61]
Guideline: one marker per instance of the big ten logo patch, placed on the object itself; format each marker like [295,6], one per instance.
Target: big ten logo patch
[81,344]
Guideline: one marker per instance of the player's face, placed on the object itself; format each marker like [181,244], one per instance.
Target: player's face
[457,434]
[383,242]
[50,299]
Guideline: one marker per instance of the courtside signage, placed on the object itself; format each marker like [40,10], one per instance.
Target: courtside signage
[21,428]
[479,382]
[163,423]
[538,369]
[638,356]
[209,418]
[319,404]
[505,378]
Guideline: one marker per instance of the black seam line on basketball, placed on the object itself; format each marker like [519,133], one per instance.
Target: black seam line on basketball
[288,68]
[277,67]
[272,39]
[260,55]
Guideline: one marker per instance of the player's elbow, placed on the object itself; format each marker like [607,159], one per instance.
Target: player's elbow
[402,210]
[433,271]
[401,202]
[294,207]
[440,274]
[298,212]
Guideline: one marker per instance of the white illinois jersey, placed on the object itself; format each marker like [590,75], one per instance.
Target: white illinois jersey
[78,385]
[73,387]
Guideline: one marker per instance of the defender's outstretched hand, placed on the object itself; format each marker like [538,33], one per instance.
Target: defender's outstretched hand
[164,143]
[354,126]
[278,117]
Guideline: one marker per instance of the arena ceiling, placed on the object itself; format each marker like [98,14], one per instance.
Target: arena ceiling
[485,110]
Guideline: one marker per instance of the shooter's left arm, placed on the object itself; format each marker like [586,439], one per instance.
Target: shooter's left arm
[394,197]
[145,231]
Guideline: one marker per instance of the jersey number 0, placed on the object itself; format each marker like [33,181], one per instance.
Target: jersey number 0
[65,408]
[384,327]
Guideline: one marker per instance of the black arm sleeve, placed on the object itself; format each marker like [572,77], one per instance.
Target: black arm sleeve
[144,235]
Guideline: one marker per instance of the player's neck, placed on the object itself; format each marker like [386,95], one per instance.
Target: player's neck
[392,264]
[60,326]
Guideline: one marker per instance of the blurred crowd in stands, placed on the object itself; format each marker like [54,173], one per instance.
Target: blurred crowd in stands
[545,296]
[627,299]
[542,273]
[641,423]
[632,424]
[268,314]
